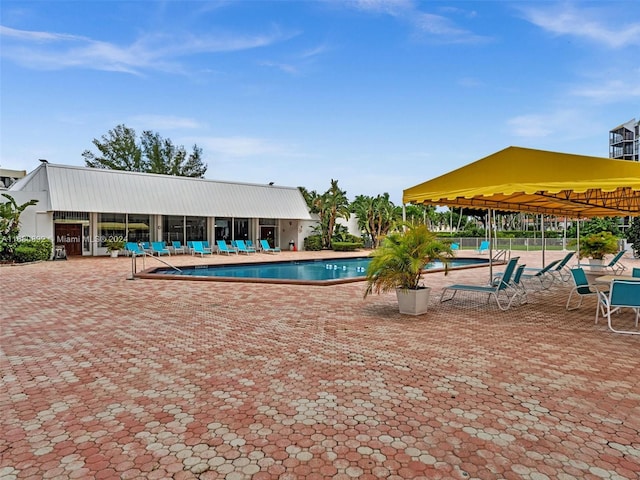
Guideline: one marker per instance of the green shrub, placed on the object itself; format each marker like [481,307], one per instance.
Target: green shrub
[29,250]
[313,243]
[346,246]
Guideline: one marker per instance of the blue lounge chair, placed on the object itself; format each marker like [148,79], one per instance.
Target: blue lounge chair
[178,247]
[455,246]
[224,248]
[484,246]
[206,246]
[132,248]
[582,288]
[146,246]
[198,247]
[635,272]
[268,248]
[562,272]
[501,287]
[614,266]
[623,294]
[242,247]
[543,275]
[250,245]
[159,248]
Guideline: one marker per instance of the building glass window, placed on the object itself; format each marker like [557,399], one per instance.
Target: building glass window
[173,228]
[240,228]
[269,231]
[196,228]
[223,229]
[111,226]
[138,228]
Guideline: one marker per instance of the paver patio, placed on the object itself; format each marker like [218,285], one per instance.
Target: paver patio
[109,378]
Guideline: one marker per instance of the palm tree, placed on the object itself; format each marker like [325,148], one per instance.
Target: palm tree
[334,204]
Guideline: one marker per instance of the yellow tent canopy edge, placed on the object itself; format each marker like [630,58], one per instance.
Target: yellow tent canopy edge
[537,181]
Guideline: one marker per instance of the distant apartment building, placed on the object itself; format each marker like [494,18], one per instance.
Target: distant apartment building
[624,141]
[9,177]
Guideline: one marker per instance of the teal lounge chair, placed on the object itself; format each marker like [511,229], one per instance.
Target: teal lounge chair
[268,248]
[224,248]
[132,248]
[178,247]
[484,246]
[543,275]
[502,287]
[614,266]
[242,247]
[623,294]
[159,248]
[635,272]
[198,247]
[250,245]
[562,272]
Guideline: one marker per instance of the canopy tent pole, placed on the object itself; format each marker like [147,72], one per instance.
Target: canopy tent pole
[490,246]
[542,238]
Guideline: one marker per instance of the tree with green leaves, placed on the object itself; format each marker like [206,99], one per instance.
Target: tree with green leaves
[633,236]
[329,206]
[10,213]
[120,150]
[376,216]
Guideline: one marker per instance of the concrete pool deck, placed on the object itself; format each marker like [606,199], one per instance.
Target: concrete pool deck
[105,377]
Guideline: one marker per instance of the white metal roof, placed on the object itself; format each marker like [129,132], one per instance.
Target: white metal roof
[82,189]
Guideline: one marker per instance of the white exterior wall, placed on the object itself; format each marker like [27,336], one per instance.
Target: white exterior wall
[35,220]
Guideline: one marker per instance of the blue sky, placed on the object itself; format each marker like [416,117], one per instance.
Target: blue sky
[378,94]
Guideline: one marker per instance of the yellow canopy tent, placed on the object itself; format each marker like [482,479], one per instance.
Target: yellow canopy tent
[526,180]
[537,181]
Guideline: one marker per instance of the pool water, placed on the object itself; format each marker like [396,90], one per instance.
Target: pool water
[326,271]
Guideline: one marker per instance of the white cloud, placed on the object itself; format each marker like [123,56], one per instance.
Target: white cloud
[54,51]
[441,27]
[589,23]
[622,89]
[565,124]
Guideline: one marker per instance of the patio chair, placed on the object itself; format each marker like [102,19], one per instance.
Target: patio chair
[562,271]
[635,272]
[224,248]
[502,286]
[251,245]
[622,294]
[178,247]
[146,246]
[242,247]
[484,246]
[159,249]
[268,248]
[206,246]
[582,288]
[543,275]
[132,248]
[614,266]
[198,247]
[455,246]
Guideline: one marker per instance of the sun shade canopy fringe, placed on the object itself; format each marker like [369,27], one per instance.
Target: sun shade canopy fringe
[536,181]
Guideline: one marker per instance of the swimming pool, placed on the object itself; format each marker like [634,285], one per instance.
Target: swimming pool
[328,271]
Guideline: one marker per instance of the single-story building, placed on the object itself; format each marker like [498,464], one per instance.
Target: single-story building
[81,208]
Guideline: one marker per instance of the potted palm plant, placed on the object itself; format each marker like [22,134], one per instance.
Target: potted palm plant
[597,245]
[114,246]
[398,265]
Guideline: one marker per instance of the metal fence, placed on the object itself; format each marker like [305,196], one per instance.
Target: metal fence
[520,244]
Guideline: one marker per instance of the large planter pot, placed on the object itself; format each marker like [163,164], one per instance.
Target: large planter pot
[114,253]
[596,264]
[413,302]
